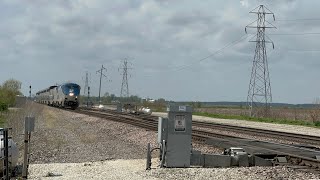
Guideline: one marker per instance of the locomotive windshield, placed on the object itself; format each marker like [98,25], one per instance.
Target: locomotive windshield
[71,88]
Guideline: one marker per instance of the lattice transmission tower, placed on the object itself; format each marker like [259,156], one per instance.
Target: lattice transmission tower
[259,94]
[125,85]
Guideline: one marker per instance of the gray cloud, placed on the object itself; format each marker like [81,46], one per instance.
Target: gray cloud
[193,18]
[44,42]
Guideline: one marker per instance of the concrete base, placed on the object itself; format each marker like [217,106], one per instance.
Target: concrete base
[216,160]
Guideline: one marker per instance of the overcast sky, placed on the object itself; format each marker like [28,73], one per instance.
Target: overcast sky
[43,42]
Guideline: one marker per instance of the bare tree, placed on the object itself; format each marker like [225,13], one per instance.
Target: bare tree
[12,85]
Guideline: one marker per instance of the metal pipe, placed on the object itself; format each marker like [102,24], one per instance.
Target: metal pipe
[163,153]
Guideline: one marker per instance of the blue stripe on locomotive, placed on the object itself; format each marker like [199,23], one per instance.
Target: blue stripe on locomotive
[70,87]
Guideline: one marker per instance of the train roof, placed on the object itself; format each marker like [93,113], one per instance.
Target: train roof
[51,87]
[46,90]
[64,84]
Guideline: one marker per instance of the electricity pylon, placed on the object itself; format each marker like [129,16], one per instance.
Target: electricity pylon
[259,94]
[124,86]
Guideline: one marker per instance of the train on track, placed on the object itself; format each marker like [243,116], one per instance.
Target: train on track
[65,95]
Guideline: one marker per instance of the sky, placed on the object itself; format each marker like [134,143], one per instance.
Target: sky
[44,42]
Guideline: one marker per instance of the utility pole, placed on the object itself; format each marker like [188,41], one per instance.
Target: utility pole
[259,94]
[101,74]
[124,86]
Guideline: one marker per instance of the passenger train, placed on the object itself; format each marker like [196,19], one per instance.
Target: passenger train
[65,95]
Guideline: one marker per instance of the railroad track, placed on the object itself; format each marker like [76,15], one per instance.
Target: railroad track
[295,155]
[151,125]
[299,138]
[307,140]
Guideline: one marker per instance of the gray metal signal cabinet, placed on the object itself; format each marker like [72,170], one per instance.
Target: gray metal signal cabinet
[174,136]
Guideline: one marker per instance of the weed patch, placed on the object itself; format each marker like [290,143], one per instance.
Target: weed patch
[317,123]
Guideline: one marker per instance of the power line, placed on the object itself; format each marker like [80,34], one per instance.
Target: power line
[303,50]
[231,44]
[295,34]
[216,52]
[305,19]
[292,34]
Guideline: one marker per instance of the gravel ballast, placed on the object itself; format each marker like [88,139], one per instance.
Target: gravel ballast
[76,146]
[63,136]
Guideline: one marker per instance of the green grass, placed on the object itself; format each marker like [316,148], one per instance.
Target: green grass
[267,120]
[223,107]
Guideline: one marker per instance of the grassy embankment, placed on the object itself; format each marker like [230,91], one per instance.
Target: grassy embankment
[266,120]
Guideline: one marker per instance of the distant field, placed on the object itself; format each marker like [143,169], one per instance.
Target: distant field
[285,113]
[278,113]
[267,120]
[305,117]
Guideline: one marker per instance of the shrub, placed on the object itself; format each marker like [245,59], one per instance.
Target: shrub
[3,106]
[317,123]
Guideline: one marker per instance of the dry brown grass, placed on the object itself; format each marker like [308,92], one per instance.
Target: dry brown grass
[15,117]
[277,113]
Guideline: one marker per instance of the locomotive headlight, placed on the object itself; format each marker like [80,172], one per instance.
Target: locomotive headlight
[71,94]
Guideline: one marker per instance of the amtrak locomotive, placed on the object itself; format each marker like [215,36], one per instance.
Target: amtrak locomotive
[65,95]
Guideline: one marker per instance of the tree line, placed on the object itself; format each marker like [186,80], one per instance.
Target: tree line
[110,98]
[9,89]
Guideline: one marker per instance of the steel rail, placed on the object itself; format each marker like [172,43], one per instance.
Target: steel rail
[295,137]
[315,140]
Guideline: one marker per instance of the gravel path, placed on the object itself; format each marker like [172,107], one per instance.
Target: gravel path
[134,170]
[78,146]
